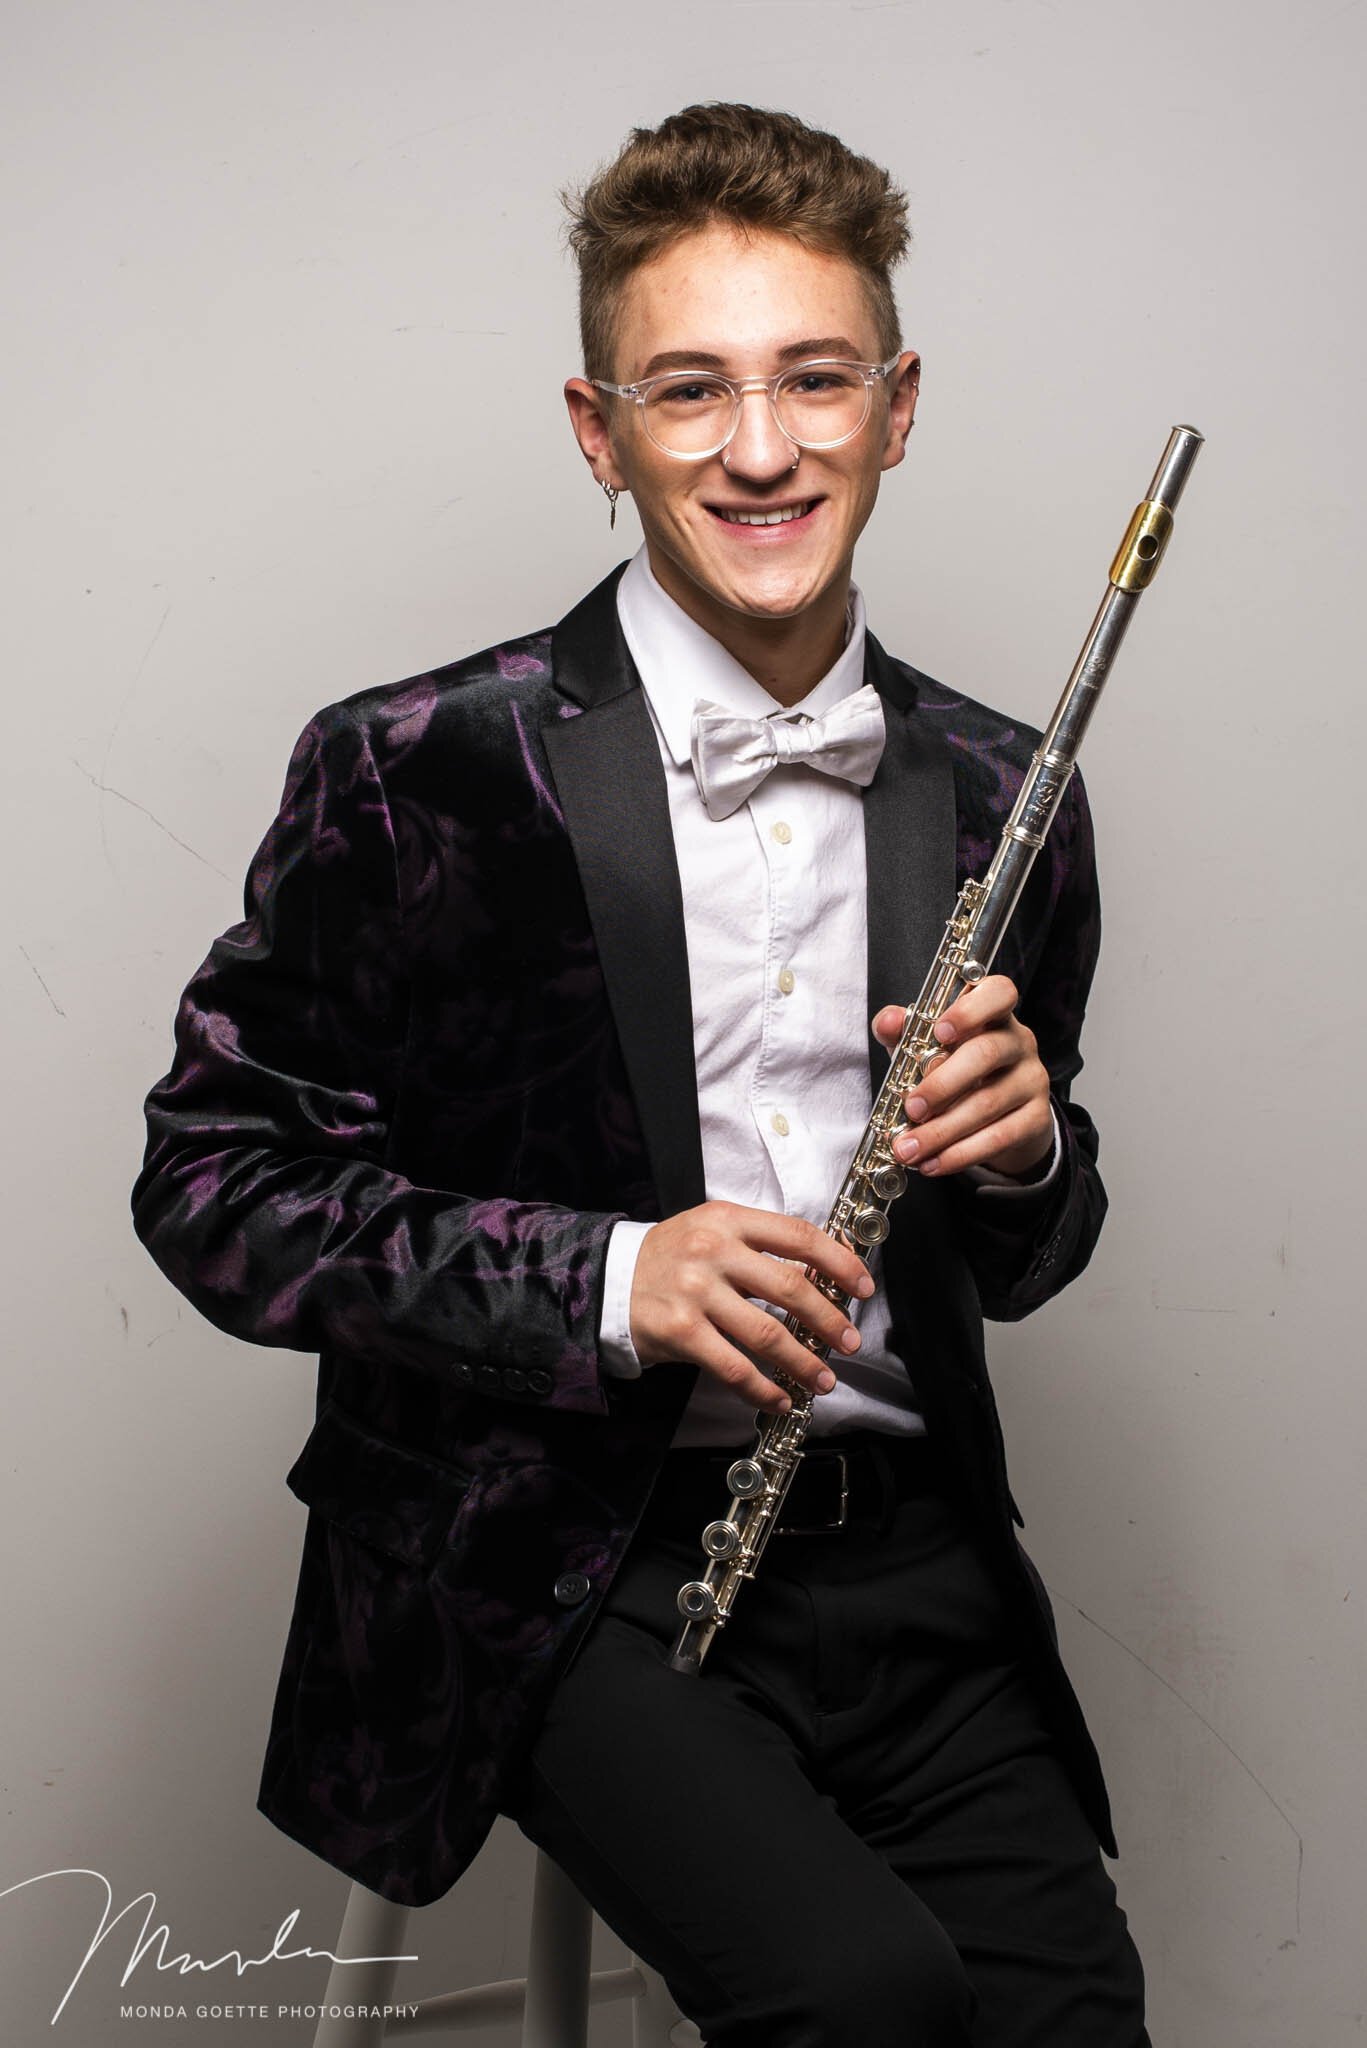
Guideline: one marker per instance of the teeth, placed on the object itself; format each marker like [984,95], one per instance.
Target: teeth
[768,518]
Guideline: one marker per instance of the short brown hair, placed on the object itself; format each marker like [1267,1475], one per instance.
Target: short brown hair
[729,162]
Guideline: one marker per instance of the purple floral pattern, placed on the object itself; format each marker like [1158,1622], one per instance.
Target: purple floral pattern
[397,1131]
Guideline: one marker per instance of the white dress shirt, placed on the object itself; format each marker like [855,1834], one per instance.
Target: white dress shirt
[775,923]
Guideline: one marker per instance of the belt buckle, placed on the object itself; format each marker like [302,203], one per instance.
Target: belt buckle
[824,1528]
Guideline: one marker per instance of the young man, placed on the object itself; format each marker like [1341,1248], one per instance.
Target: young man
[520,1094]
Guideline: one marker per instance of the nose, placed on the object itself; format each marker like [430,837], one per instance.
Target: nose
[759,449]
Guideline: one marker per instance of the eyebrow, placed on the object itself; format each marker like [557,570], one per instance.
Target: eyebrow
[822,345]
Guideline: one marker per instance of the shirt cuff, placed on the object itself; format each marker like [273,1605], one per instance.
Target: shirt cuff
[989,1181]
[616,1352]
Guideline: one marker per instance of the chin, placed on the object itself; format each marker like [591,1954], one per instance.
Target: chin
[763,591]
[786,600]
[777,610]
[774,585]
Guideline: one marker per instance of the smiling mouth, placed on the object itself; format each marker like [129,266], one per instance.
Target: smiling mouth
[780,515]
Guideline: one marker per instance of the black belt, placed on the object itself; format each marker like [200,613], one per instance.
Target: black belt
[854,1479]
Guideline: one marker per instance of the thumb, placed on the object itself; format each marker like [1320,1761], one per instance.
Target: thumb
[888,1024]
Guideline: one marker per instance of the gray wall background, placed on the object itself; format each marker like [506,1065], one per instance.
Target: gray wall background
[286,322]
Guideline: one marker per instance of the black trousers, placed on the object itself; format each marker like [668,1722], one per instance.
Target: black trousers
[850,1828]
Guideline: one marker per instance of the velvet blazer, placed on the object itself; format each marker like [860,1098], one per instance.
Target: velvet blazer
[446,1048]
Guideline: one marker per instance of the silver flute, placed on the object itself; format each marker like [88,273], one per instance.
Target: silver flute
[759,1482]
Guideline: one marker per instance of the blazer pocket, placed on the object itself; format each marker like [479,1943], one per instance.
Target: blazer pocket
[376,1490]
[377,1656]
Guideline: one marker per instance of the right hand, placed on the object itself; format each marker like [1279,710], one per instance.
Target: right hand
[693,1275]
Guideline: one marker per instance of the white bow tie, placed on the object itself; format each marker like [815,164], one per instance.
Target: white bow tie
[732,756]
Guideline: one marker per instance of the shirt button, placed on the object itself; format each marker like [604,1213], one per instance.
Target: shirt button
[779,1123]
[787,981]
[781,831]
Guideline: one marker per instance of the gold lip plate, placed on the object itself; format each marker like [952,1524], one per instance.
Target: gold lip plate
[1137,557]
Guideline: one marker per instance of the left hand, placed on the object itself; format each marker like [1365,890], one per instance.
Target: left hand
[986,1103]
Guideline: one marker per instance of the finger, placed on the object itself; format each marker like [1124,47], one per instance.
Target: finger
[787,1287]
[968,1068]
[792,1237]
[987,1002]
[769,1344]
[888,1024]
[1018,1139]
[986,1110]
[711,1350]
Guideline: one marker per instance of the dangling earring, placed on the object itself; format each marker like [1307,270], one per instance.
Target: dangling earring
[612,497]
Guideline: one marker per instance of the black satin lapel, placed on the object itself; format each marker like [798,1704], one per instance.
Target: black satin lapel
[607,770]
[910,839]
[591,659]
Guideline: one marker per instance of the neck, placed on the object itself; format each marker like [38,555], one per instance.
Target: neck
[787,657]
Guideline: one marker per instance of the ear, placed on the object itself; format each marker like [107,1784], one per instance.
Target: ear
[592,430]
[903,387]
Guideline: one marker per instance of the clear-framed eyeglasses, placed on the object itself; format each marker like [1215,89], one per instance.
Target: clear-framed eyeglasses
[695,413]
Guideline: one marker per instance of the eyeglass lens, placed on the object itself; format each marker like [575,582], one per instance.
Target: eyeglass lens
[690,413]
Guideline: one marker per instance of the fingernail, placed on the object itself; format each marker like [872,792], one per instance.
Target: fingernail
[864,1288]
[915,1107]
[945,1032]
[850,1341]
[931,1166]
[907,1148]
[825,1381]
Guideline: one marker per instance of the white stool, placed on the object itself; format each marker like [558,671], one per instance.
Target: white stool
[554,1997]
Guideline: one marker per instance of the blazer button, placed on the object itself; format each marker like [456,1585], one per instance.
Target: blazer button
[538,1383]
[465,1375]
[571,1588]
[489,1380]
[514,1380]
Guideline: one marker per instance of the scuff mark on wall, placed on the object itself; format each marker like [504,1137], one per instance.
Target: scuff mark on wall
[1210,1728]
[107,789]
[42,984]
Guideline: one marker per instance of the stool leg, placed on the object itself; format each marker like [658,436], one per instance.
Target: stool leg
[371,1926]
[557,2010]
[656,2020]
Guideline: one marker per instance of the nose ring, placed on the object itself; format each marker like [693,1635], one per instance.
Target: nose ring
[797,457]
